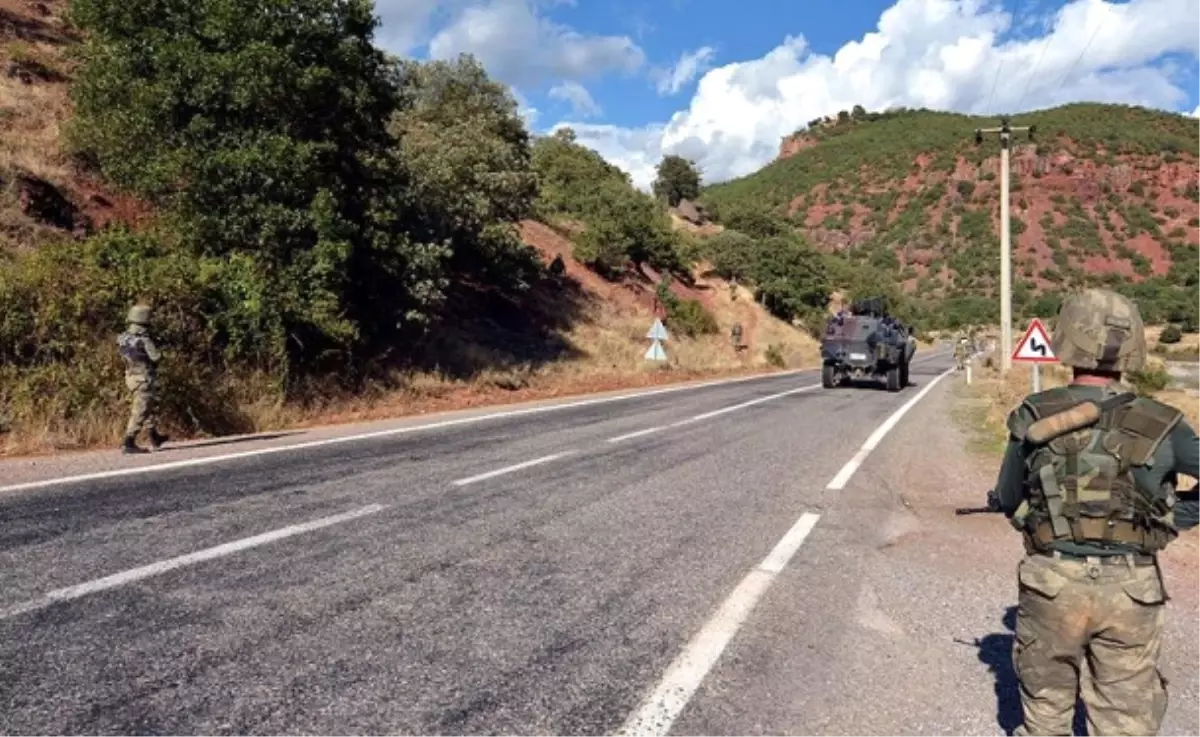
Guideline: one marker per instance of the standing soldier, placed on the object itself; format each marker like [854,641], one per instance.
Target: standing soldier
[960,353]
[141,361]
[736,334]
[1089,479]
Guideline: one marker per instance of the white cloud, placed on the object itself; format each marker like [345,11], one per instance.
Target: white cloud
[636,150]
[924,53]
[581,101]
[520,47]
[1196,112]
[690,64]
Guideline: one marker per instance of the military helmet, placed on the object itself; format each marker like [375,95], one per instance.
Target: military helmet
[1100,329]
[139,315]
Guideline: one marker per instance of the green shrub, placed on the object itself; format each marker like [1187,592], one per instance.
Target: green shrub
[1149,380]
[1170,334]
[688,317]
[774,356]
[62,306]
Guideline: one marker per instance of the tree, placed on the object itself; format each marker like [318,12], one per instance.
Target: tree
[790,276]
[621,222]
[466,153]
[678,179]
[755,222]
[732,254]
[858,113]
[260,127]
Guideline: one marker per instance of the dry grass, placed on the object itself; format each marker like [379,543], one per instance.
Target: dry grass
[32,117]
[613,344]
[1187,349]
[33,111]
[1189,341]
[611,340]
[985,404]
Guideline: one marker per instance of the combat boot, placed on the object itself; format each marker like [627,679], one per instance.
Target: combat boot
[157,439]
[131,446]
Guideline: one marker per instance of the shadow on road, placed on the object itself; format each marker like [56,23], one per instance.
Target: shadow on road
[995,651]
[231,441]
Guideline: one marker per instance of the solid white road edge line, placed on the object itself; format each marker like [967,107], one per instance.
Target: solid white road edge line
[162,566]
[510,469]
[843,476]
[664,704]
[207,460]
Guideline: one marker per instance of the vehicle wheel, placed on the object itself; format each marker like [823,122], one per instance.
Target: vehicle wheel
[827,378]
[893,379]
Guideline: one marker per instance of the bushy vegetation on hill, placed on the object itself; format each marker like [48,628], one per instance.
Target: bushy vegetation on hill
[620,223]
[910,194]
[323,216]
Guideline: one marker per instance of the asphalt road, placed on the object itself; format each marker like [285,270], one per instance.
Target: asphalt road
[527,574]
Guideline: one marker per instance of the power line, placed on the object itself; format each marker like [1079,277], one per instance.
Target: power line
[1033,71]
[1086,46]
[995,79]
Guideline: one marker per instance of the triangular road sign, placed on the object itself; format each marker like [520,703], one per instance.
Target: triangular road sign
[1035,346]
[657,331]
[656,352]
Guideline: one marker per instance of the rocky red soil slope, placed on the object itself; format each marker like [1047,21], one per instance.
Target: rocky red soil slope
[1103,194]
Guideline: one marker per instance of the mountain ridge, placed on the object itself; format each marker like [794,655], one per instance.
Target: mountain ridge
[1103,195]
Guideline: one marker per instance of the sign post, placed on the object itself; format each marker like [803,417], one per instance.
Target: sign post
[1035,349]
[657,334]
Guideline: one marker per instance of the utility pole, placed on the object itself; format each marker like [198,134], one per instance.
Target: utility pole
[1005,131]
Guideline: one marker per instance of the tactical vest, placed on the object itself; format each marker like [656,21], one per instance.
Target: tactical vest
[134,353]
[1081,482]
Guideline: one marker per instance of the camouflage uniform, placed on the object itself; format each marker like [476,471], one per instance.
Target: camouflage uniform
[960,352]
[141,358]
[1093,494]
[736,334]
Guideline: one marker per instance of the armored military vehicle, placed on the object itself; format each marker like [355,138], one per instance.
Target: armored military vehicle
[866,343]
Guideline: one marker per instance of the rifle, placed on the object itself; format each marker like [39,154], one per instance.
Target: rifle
[993,505]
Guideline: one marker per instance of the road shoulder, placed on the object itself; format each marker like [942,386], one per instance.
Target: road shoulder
[897,616]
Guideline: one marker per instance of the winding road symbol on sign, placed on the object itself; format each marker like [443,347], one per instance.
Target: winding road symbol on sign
[1035,345]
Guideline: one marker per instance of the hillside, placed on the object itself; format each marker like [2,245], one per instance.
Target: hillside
[45,194]
[453,289]
[1103,195]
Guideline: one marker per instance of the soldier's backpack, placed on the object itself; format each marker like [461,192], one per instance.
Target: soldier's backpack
[132,351]
[1080,470]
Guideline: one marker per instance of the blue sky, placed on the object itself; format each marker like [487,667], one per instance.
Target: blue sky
[734,30]
[618,72]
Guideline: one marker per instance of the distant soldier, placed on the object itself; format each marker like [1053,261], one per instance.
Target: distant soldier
[1089,479]
[736,333]
[960,353]
[141,358]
